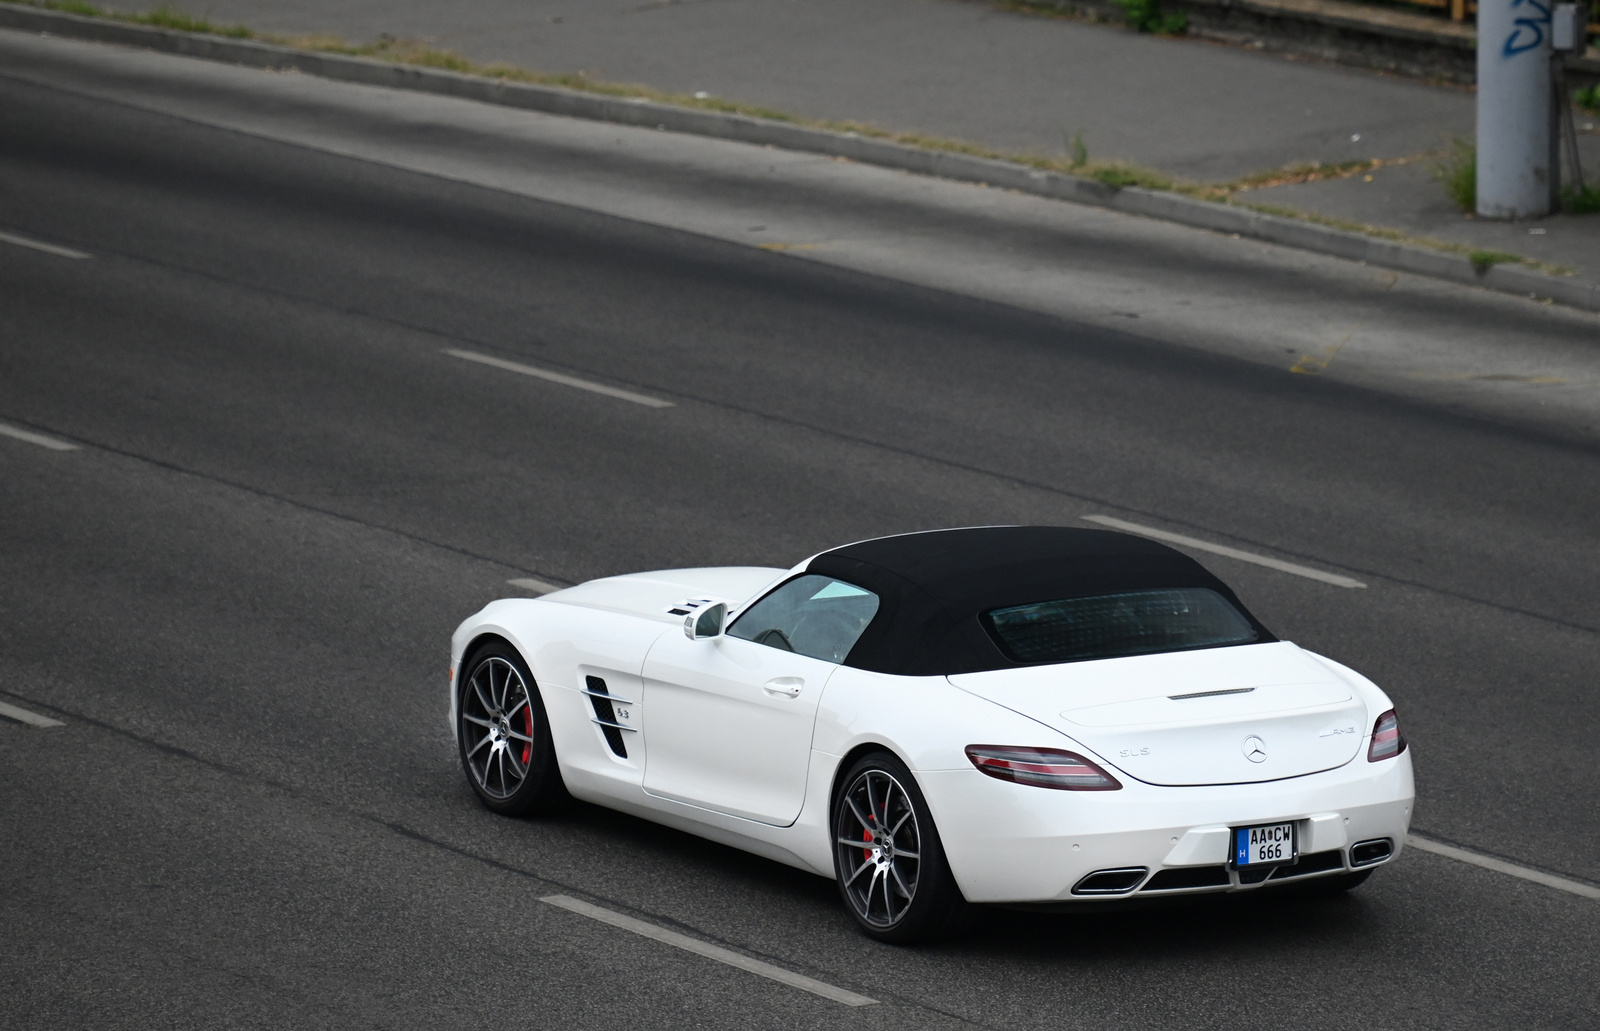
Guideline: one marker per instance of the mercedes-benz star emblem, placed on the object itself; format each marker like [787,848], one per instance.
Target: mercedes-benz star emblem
[1255,749]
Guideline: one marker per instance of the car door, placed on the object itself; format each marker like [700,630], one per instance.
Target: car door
[730,717]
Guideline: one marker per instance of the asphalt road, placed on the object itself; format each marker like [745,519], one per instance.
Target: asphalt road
[236,594]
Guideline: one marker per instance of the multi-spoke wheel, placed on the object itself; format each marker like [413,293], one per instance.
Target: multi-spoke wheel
[504,735]
[886,853]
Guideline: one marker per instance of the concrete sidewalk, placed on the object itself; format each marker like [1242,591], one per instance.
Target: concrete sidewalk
[965,70]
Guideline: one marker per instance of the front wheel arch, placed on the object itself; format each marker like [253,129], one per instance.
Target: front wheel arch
[540,789]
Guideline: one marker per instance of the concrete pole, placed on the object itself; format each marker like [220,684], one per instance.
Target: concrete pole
[1514,109]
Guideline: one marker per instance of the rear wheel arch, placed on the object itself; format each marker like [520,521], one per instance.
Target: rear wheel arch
[901,857]
[853,756]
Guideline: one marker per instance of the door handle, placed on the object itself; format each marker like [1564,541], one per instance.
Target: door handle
[788,687]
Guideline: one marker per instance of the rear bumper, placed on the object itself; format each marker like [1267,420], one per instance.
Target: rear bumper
[1012,843]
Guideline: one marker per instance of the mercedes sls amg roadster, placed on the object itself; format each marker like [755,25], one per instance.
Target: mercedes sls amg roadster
[1014,715]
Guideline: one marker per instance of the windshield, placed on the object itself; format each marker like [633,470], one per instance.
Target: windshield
[1111,625]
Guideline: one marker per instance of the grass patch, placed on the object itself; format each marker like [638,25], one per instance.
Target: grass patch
[1147,16]
[1584,201]
[1457,172]
[164,17]
[1292,175]
[1588,98]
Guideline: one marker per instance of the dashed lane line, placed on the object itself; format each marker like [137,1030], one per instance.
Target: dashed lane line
[709,951]
[40,245]
[35,438]
[559,377]
[1222,549]
[528,583]
[1549,880]
[32,719]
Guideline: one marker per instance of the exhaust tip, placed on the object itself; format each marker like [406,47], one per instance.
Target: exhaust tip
[1111,882]
[1368,853]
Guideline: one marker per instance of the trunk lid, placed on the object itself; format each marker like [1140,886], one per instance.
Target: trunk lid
[1188,718]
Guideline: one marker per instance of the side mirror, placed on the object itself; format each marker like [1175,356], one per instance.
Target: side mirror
[706,621]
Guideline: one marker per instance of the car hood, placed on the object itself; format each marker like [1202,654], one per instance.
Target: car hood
[654,595]
[1233,715]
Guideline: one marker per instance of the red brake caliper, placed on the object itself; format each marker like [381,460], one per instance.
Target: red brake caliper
[527,748]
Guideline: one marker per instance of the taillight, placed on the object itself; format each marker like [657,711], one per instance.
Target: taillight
[1387,740]
[1041,767]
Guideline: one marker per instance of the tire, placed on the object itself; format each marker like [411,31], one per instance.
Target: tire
[503,735]
[904,893]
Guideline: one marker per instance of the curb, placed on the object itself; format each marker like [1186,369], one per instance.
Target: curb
[555,100]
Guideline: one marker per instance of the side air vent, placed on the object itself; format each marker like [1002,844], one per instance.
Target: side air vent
[605,715]
[1111,882]
[1189,877]
[1316,862]
[1366,853]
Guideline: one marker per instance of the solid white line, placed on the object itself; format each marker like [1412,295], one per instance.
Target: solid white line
[559,377]
[700,948]
[32,719]
[1222,549]
[528,583]
[36,438]
[40,245]
[1439,848]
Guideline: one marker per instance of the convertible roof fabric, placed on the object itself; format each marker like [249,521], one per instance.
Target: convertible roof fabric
[934,585]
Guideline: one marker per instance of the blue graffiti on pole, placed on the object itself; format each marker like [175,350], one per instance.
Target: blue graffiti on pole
[1527,33]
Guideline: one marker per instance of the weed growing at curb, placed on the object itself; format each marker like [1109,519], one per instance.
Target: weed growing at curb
[1482,261]
[1588,98]
[1457,172]
[1077,162]
[1077,151]
[1379,232]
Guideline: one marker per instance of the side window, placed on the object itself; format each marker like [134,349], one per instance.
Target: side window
[811,615]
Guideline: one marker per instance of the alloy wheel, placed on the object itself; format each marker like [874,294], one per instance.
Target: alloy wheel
[496,727]
[880,846]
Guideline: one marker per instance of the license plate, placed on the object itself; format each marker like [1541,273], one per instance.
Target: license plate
[1264,845]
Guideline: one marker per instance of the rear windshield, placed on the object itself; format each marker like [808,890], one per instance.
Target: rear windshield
[1111,625]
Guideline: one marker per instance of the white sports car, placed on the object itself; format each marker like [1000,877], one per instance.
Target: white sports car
[1020,714]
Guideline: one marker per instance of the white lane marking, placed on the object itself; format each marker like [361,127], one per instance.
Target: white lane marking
[32,719]
[700,948]
[36,438]
[560,377]
[1222,549]
[528,583]
[1549,880]
[40,245]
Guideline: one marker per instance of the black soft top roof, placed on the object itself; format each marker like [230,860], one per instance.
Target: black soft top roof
[933,586]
